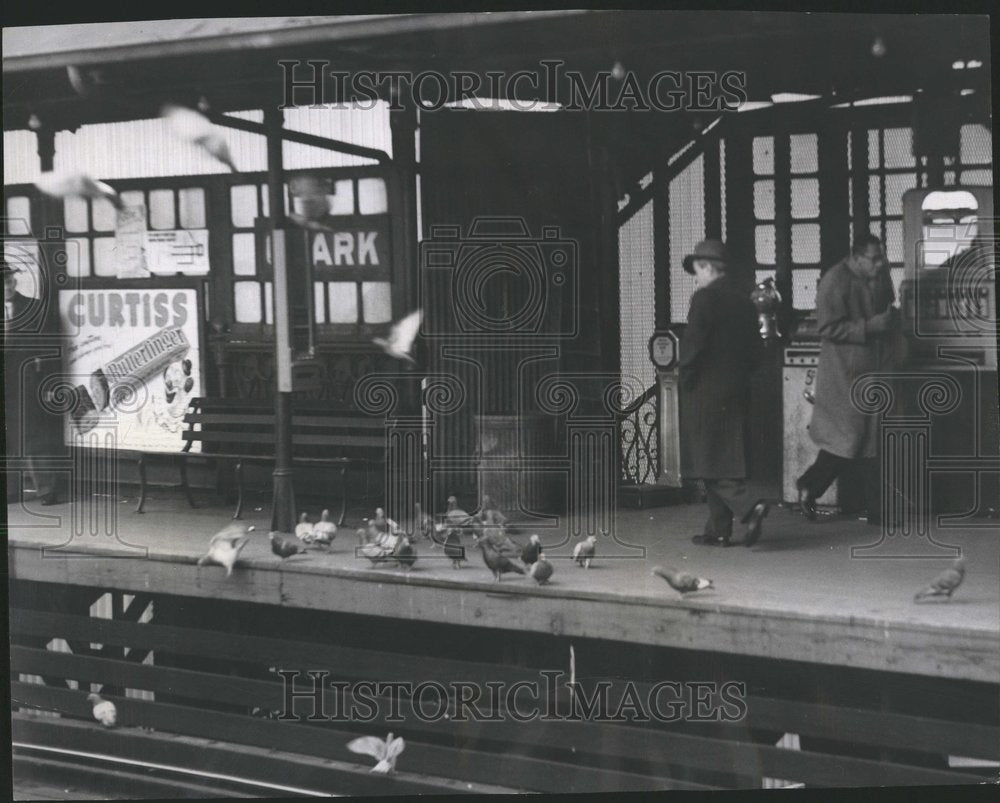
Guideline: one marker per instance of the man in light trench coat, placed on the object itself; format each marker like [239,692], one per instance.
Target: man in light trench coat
[856,322]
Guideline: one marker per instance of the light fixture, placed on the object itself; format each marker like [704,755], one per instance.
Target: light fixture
[958,65]
[878,47]
[973,64]
[792,97]
[618,71]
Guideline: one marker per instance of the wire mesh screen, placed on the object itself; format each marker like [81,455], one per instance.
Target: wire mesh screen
[977,145]
[687,228]
[637,294]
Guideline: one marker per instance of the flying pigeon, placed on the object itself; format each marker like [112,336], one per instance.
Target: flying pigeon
[541,571]
[583,552]
[532,552]
[944,584]
[225,546]
[385,752]
[304,528]
[401,337]
[85,82]
[682,581]
[495,562]
[453,548]
[324,530]
[104,710]
[196,128]
[77,185]
[284,546]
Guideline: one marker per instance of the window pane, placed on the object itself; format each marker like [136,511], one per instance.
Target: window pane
[105,216]
[74,213]
[977,178]
[805,197]
[895,186]
[247,298]
[763,156]
[378,301]
[133,198]
[804,153]
[764,237]
[191,203]
[244,254]
[269,302]
[319,302]
[77,256]
[894,240]
[898,144]
[104,257]
[243,200]
[805,244]
[804,288]
[343,298]
[977,144]
[763,200]
[342,200]
[161,209]
[372,199]
[873,155]
[874,197]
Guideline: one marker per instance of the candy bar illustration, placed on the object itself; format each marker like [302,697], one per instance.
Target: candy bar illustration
[125,374]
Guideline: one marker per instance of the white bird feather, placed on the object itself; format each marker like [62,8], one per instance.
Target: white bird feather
[76,184]
[198,129]
[401,337]
[384,752]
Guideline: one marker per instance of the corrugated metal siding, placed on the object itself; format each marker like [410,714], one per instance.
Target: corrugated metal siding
[147,148]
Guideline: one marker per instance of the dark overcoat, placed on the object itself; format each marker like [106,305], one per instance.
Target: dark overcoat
[720,348]
[844,303]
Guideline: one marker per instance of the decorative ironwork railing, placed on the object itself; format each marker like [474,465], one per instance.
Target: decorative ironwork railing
[639,438]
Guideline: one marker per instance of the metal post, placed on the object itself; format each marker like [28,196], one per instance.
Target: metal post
[283,507]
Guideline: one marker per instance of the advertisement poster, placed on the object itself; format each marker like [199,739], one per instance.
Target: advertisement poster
[134,362]
[182,251]
[130,236]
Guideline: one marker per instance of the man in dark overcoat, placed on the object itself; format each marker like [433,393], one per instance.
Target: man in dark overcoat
[27,424]
[856,320]
[719,350]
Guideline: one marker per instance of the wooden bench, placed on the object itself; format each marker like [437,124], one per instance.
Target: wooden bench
[243,431]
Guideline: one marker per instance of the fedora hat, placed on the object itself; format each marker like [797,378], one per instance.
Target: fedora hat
[713,250]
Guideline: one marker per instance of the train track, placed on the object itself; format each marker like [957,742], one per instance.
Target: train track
[52,773]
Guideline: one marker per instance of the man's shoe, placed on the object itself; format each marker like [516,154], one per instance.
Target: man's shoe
[807,504]
[48,500]
[709,540]
[755,525]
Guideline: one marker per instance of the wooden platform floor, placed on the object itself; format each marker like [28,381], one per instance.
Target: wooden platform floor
[799,593]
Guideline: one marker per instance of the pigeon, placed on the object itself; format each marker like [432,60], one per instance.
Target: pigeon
[532,552]
[541,571]
[495,562]
[583,553]
[324,530]
[225,546]
[284,546]
[385,752]
[489,514]
[198,129]
[104,710]
[401,337]
[77,185]
[383,524]
[682,581]
[453,549]
[944,584]
[501,542]
[304,528]
[405,553]
[454,515]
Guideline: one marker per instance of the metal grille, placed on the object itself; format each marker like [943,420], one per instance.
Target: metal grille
[687,228]
[637,296]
